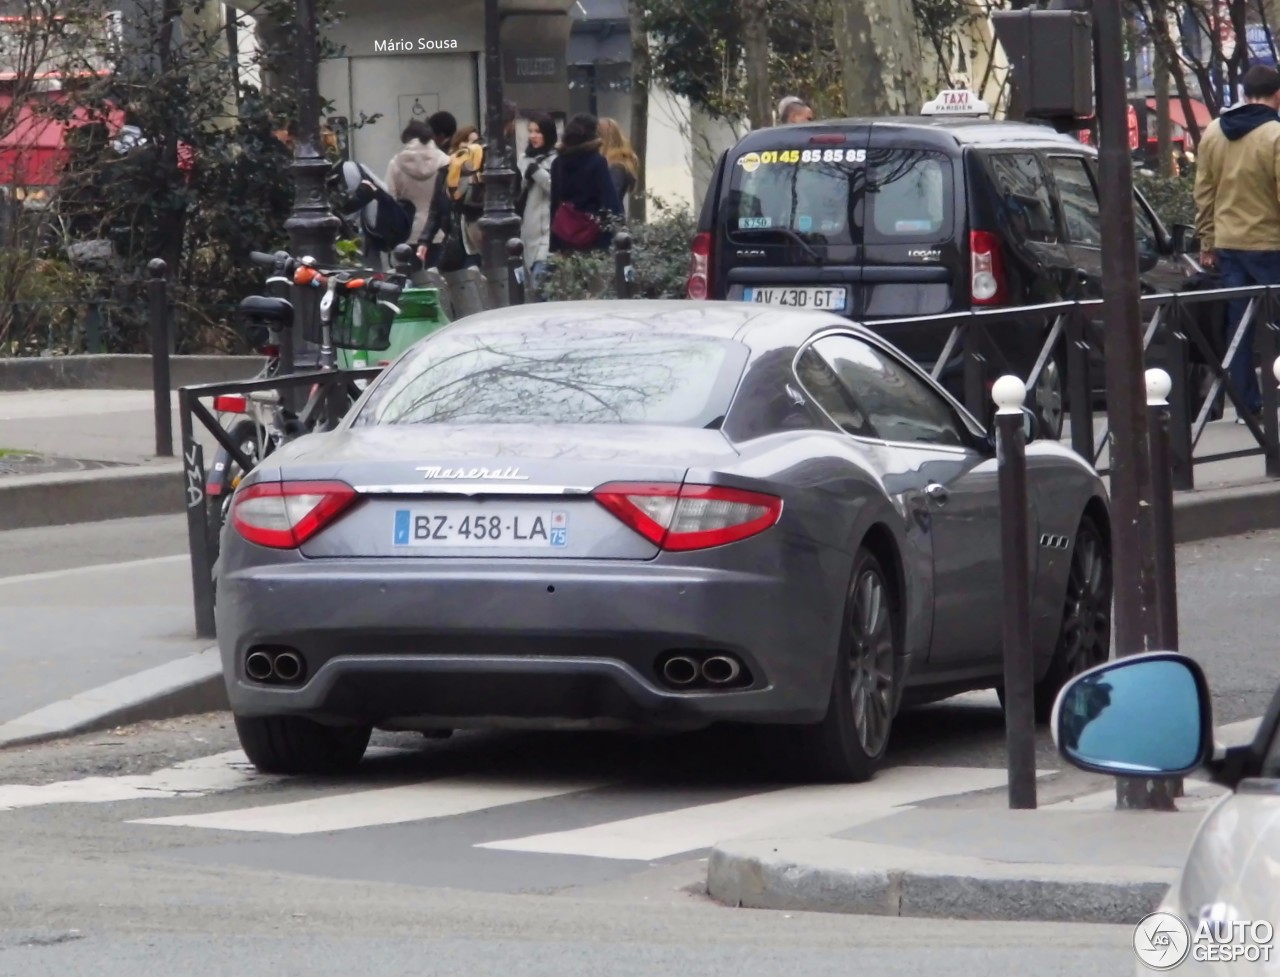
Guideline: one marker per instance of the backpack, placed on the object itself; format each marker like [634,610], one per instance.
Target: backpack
[464,179]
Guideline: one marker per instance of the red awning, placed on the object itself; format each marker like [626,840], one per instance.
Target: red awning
[1201,112]
[33,152]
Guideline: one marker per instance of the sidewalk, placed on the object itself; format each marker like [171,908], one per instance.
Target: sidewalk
[1075,859]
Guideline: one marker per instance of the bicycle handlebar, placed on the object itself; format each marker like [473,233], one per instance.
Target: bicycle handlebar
[306,275]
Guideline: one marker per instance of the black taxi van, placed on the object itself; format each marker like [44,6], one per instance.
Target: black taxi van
[893,218]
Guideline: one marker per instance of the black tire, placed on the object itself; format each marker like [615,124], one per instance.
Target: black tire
[842,748]
[1084,636]
[293,745]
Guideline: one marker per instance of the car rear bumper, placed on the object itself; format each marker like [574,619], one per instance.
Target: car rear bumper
[533,643]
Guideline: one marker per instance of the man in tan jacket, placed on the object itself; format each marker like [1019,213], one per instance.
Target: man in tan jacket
[1238,198]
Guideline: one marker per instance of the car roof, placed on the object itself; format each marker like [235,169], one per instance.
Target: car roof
[946,131]
[761,328]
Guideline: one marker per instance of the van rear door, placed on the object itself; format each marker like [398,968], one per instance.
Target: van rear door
[789,231]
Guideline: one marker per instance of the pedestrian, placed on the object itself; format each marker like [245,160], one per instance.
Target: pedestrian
[443,126]
[624,164]
[414,172]
[793,110]
[1238,202]
[534,204]
[584,202]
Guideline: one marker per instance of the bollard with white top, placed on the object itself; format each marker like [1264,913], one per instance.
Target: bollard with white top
[1009,394]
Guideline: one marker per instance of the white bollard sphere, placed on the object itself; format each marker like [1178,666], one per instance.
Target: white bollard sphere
[1158,386]
[1010,394]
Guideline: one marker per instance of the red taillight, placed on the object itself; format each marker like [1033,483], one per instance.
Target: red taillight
[689,517]
[284,515]
[987,284]
[227,404]
[271,352]
[831,139]
[699,286]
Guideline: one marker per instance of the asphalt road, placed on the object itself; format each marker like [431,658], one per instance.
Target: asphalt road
[155,850]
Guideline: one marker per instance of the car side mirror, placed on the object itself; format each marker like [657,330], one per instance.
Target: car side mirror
[1183,239]
[1030,429]
[1143,715]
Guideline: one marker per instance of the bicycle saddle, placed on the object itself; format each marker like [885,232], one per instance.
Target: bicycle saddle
[262,310]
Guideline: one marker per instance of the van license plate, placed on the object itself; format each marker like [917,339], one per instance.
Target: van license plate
[827,299]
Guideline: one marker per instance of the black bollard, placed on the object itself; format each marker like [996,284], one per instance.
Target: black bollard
[623,272]
[158,300]
[1158,435]
[1009,393]
[515,272]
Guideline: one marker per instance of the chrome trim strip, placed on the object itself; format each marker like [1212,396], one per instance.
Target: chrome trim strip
[473,488]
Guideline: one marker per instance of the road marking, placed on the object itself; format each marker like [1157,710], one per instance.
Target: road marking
[794,810]
[194,778]
[379,806]
[93,568]
[214,774]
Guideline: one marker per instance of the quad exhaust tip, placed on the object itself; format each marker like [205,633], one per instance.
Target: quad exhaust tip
[720,669]
[288,666]
[258,666]
[680,670]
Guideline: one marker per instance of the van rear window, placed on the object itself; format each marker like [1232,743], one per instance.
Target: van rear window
[841,196]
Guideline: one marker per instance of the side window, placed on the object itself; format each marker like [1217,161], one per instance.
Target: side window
[899,405]
[1148,239]
[1024,191]
[822,384]
[1079,201]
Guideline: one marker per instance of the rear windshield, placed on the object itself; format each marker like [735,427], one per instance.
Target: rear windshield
[612,377]
[841,196]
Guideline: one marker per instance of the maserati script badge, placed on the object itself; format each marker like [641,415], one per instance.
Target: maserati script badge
[509,474]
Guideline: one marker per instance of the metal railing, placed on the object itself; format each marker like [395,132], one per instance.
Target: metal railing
[1174,338]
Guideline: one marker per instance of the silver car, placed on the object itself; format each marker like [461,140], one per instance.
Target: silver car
[661,514]
[1148,716]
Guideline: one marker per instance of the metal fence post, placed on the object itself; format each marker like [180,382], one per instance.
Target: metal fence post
[1009,394]
[158,296]
[1267,348]
[515,272]
[1079,385]
[623,272]
[1158,434]
[93,328]
[1181,414]
[197,520]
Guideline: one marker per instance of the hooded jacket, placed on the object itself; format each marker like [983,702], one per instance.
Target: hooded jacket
[1238,181]
[413,174]
[580,176]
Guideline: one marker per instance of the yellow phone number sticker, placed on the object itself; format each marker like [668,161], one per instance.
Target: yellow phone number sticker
[794,157]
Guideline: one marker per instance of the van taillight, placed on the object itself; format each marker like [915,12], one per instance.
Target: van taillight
[699,285]
[987,285]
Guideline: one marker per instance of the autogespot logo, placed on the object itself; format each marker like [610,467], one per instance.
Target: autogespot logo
[1161,941]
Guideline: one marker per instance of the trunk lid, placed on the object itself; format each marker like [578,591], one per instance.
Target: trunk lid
[492,491]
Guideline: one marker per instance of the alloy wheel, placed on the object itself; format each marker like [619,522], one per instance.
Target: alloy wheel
[1086,625]
[1049,399]
[871,662]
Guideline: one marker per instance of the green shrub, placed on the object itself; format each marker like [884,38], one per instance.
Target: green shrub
[659,257]
[1171,197]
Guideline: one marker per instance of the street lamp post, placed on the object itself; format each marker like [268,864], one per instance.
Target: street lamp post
[313,227]
[500,222]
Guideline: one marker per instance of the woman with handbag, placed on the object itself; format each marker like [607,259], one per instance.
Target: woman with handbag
[584,201]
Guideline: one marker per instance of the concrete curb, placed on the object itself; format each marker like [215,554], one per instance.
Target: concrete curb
[1216,512]
[122,371]
[830,875]
[29,501]
[190,685]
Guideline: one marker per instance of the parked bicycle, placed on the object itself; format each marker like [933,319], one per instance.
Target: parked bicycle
[357,311]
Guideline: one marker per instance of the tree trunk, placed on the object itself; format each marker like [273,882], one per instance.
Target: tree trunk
[641,76]
[1164,125]
[880,57]
[755,43]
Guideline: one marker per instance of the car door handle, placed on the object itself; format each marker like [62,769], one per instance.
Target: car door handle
[937,492]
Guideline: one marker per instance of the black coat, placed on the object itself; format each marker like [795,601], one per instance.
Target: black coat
[580,176]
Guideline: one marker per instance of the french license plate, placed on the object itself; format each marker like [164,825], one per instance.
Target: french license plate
[827,299]
[494,528]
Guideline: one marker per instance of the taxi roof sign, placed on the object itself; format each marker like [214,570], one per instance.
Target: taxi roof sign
[958,102]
